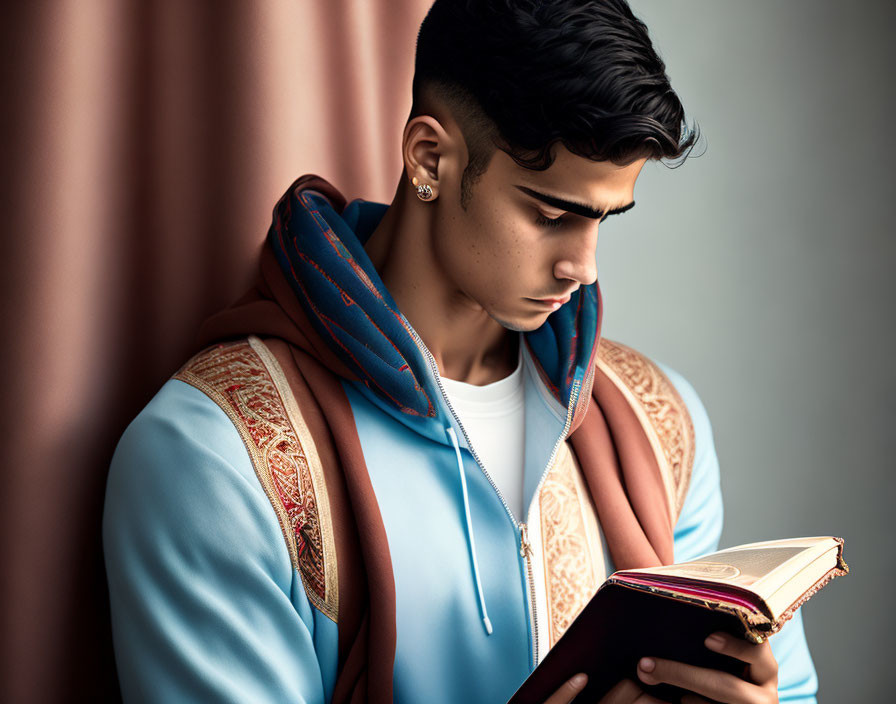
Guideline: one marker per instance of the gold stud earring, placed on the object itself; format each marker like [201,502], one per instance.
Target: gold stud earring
[424,191]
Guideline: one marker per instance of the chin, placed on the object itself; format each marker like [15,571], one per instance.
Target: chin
[521,325]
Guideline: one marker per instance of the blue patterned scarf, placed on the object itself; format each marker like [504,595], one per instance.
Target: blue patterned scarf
[319,243]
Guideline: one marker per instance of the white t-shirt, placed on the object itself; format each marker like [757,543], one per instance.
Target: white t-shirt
[494,418]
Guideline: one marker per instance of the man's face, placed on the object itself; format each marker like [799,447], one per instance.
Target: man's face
[510,248]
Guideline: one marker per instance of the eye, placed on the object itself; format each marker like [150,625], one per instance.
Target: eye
[550,223]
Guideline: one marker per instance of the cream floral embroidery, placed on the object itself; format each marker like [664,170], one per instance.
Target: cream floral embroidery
[573,558]
[662,413]
[570,539]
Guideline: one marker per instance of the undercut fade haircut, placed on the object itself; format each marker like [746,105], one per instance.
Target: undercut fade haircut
[524,75]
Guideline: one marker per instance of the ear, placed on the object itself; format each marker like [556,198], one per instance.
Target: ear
[424,147]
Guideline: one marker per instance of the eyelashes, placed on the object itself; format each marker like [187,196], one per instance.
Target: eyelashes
[553,223]
[549,223]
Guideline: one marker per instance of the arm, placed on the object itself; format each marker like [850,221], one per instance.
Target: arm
[698,530]
[205,603]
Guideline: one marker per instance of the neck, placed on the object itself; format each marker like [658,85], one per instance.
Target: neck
[467,344]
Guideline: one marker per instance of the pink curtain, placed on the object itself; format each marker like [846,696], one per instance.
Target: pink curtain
[145,146]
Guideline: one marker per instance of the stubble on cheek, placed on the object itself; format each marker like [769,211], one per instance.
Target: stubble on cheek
[499,262]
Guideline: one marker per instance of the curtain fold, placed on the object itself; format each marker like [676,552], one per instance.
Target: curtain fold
[145,147]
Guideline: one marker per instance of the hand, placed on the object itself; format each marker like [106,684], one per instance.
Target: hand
[761,687]
[625,692]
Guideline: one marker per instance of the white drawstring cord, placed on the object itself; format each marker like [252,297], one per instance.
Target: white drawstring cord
[470,541]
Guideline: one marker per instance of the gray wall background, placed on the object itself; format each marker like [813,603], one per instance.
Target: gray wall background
[762,270]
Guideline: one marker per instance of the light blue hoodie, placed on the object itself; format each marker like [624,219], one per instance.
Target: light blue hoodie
[206,604]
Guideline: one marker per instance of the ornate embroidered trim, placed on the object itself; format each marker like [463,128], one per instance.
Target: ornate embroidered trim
[573,554]
[662,413]
[246,381]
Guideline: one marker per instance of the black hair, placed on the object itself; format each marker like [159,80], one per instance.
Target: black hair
[524,75]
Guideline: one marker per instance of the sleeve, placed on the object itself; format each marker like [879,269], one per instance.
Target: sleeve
[699,529]
[205,603]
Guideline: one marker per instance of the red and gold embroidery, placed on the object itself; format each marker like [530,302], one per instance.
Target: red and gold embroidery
[246,381]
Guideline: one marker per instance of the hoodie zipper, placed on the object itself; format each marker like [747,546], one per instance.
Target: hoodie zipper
[522,528]
[526,554]
[525,546]
[435,370]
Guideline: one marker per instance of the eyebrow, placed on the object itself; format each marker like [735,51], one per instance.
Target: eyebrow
[574,206]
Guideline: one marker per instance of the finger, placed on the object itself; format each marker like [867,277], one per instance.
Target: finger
[645,698]
[628,692]
[712,684]
[763,666]
[694,699]
[624,692]
[568,690]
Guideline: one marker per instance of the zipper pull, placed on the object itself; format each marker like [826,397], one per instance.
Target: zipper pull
[525,547]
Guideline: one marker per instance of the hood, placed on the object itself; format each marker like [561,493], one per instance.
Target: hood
[319,291]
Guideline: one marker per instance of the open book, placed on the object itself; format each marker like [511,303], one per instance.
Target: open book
[667,612]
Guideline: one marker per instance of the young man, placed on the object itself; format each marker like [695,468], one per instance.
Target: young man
[401,464]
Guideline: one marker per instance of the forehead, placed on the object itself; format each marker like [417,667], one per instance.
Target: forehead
[601,183]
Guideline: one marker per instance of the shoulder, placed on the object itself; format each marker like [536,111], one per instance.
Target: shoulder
[181,478]
[648,377]
[205,603]
[705,463]
[186,470]
[698,523]
[666,406]
[181,422]
[692,401]
[656,382]
[245,380]
[678,412]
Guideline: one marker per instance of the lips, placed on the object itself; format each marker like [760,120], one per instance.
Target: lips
[550,303]
[561,301]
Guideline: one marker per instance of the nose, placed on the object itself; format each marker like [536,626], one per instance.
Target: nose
[578,261]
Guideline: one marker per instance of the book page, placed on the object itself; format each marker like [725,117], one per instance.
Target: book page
[758,567]
[741,567]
